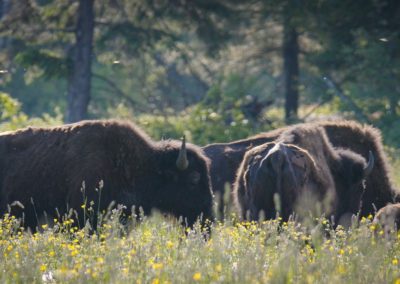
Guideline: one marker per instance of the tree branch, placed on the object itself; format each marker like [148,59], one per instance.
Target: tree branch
[118,91]
[339,92]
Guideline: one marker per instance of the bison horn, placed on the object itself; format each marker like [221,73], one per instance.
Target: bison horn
[182,162]
[371,161]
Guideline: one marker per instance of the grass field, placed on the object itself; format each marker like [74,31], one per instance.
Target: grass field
[158,250]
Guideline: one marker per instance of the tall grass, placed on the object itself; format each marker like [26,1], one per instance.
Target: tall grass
[158,250]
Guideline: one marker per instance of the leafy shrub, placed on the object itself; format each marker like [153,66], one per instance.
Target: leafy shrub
[12,117]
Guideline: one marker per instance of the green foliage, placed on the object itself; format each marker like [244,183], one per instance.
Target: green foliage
[390,127]
[51,65]
[13,118]
[201,126]
[222,116]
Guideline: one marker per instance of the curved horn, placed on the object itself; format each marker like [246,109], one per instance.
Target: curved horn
[182,162]
[369,167]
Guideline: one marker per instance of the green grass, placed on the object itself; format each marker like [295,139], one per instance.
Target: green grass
[160,251]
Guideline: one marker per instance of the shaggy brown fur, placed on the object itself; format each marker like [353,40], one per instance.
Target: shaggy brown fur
[49,165]
[379,190]
[265,165]
[226,158]
[302,162]
[389,218]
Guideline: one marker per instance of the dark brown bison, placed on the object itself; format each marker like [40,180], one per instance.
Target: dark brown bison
[45,169]
[301,166]
[226,158]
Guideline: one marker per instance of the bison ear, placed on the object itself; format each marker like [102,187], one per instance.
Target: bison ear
[182,162]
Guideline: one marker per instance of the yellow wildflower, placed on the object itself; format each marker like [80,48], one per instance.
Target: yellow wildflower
[43,267]
[218,267]
[197,276]
[341,269]
[157,266]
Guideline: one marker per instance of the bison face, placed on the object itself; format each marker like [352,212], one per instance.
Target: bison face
[285,170]
[349,172]
[183,186]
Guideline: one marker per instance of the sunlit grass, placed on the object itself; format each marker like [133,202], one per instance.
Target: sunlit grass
[159,250]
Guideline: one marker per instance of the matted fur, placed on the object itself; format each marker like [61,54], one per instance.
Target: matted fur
[50,165]
[226,158]
[320,171]
[388,218]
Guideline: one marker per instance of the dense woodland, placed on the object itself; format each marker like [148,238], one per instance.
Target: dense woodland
[216,70]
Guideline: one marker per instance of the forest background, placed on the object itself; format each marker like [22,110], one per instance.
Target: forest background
[214,70]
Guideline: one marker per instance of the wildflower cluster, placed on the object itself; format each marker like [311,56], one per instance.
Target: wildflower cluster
[159,250]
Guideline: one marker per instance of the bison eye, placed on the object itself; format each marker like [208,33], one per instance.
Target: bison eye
[194,178]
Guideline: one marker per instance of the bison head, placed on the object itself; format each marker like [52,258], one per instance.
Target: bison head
[349,171]
[285,170]
[182,183]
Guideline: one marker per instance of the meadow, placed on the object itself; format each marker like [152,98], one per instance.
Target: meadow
[159,250]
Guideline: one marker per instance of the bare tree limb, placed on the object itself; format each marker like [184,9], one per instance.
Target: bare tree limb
[118,91]
[339,92]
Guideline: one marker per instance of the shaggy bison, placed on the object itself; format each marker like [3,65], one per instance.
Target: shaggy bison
[226,158]
[56,169]
[389,218]
[300,166]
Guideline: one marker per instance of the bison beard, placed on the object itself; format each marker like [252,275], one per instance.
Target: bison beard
[49,165]
[300,166]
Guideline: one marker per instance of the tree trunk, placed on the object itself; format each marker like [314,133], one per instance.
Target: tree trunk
[79,82]
[291,71]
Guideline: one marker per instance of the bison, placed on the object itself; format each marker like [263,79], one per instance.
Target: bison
[379,190]
[56,169]
[226,157]
[388,218]
[301,164]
